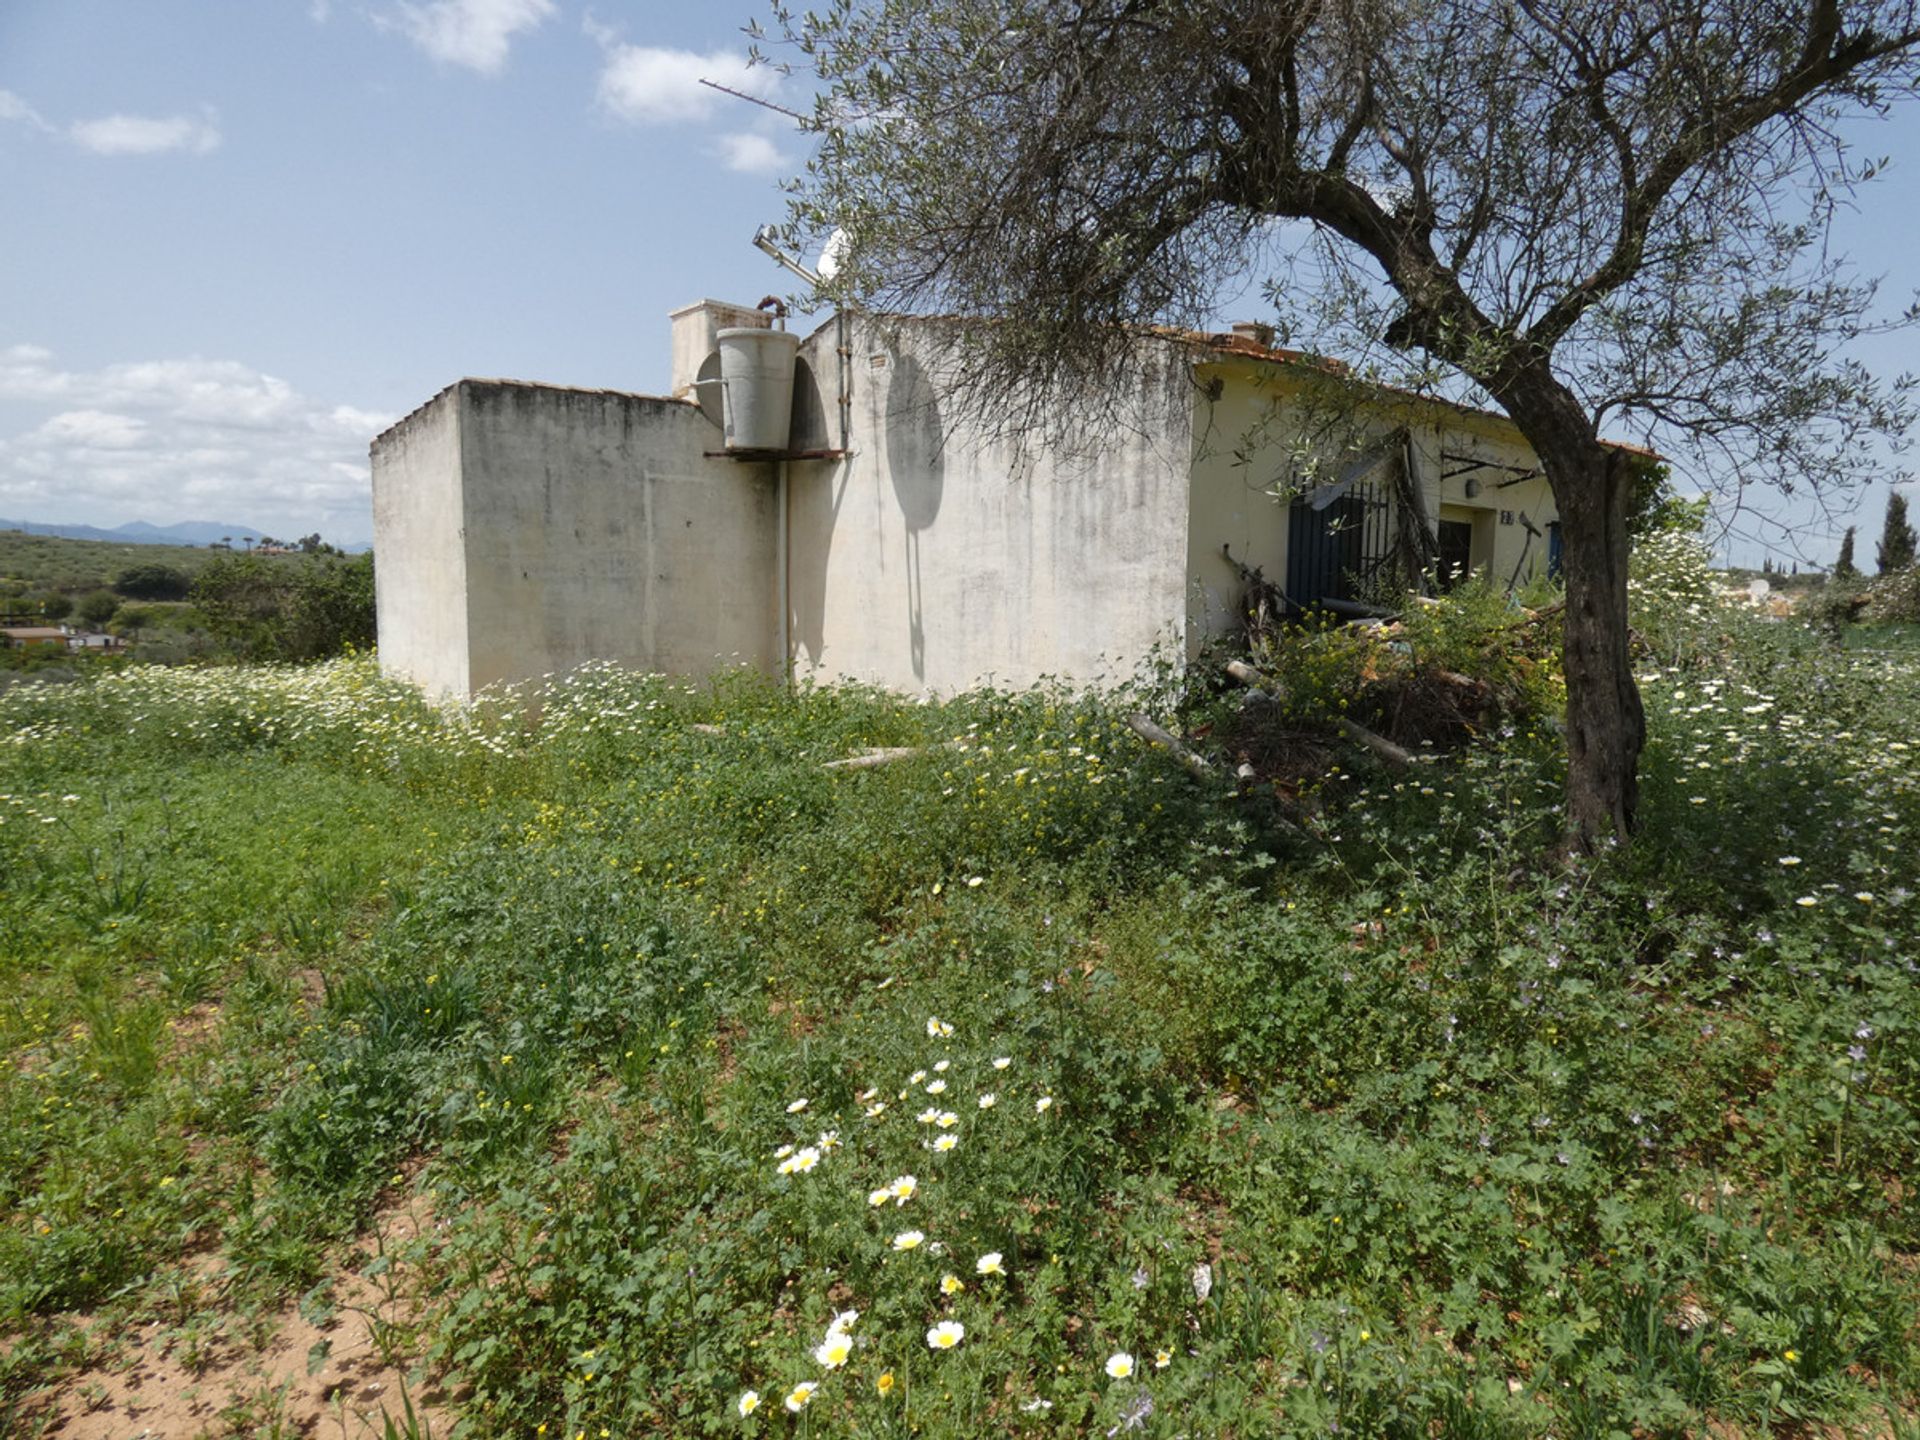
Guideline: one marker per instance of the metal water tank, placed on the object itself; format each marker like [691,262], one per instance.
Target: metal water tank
[756,378]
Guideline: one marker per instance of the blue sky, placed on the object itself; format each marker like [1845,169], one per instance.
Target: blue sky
[239,237]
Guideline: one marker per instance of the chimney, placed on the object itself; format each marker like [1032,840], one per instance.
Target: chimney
[696,330]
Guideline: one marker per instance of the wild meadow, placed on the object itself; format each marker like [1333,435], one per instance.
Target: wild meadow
[1024,1085]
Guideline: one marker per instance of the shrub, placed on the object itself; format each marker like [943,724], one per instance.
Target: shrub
[1673,598]
[97,607]
[305,609]
[1896,596]
[1832,607]
[153,582]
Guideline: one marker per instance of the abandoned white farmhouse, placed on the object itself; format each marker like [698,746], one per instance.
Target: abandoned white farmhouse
[870,533]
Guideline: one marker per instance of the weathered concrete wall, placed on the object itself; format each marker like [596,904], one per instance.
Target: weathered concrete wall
[935,559]
[567,526]
[525,529]
[597,530]
[1257,425]
[420,565]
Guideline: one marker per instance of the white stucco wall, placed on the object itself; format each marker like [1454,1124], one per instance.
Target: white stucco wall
[420,564]
[934,559]
[591,527]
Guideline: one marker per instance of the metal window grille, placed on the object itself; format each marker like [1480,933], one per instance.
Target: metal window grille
[1340,549]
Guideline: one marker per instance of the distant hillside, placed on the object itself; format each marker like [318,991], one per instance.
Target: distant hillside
[139,532]
[55,562]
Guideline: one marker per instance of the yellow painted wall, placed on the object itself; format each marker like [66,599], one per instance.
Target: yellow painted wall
[1259,428]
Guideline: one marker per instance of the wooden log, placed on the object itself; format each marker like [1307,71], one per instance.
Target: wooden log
[868,759]
[1534,617]
[887,754]
[1398,758]
[1160,739]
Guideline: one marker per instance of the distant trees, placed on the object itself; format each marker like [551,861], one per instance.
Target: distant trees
[97,606]
[56,606]
[1896,550]
[264,609]
[153,582]
[130,620]
[1844,568]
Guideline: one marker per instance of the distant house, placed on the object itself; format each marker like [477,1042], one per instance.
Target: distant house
[60,637]
[820,507]
[95,640]
[34,637]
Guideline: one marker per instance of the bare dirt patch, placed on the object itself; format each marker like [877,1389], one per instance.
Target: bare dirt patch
[206,1370]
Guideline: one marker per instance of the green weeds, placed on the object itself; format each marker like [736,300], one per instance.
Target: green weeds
[1370,1120]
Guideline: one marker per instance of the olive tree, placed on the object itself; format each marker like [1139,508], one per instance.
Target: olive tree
[1606,219]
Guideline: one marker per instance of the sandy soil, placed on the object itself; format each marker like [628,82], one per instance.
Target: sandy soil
[219,1374]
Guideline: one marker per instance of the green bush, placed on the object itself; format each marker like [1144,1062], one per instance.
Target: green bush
[263,608]
[153,582]
[97,607]
[1895,597]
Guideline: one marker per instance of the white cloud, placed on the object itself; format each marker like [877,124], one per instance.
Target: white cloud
[181,439]
[12,107]
[91,430]
[751,154]
[647,86]
[145,135]
[476,34]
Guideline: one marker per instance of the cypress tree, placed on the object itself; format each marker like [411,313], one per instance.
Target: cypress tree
[1844,568]
[1896,537]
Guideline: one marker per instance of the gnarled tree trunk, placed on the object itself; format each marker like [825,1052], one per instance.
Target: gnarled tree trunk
[1606,727]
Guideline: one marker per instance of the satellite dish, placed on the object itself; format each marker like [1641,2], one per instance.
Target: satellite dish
[706,389]
[832,255]
[1759,589]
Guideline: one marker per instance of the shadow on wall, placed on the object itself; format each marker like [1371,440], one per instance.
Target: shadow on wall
[818,490]
[916,464]
[913,450]
[810,430]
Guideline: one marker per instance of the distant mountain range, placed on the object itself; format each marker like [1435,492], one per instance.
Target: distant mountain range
[139,532]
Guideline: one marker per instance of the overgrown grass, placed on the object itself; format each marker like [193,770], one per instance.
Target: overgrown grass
[1382,1124]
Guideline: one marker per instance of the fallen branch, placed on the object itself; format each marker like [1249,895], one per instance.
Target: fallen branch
[1254,680]
[879,755]
[1398,758]
[1162,740]
[887,754]
[1393,754]
[1534,617]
